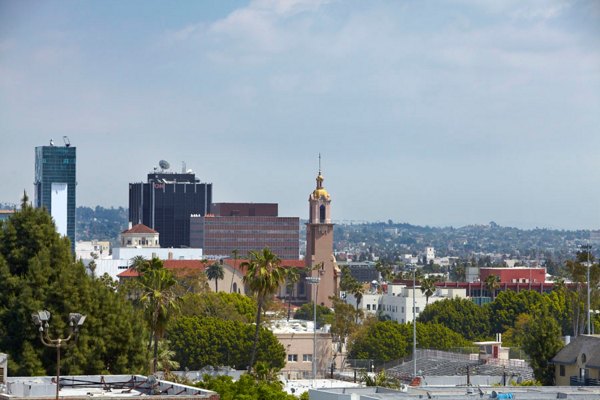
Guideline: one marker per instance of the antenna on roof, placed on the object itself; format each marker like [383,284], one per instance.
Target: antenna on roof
[67,142]
[183,168]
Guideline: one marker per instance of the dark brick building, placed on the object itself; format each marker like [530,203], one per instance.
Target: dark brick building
[245,227]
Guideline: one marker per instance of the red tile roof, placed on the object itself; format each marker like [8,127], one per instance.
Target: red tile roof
[140,228]
[178,267]
[236,264]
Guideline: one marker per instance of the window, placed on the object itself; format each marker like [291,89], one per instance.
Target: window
[368,307]
[307,357]
[562,370]
[322,214]
[292,357]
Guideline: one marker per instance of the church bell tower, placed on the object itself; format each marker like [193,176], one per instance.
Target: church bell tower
[320,261]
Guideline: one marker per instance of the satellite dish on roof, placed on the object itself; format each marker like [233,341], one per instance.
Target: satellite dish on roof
[164,164]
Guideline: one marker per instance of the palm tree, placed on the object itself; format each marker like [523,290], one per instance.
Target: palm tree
[235,254]
[291,278]
[216,272]
[428,288]
[357,290]
[264,275]
[166,362]
[138,262]
[492,283]
[158,298]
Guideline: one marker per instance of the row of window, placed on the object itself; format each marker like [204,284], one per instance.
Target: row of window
[387,307]
[294,357]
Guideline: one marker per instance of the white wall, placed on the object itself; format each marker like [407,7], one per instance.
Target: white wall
[58,205]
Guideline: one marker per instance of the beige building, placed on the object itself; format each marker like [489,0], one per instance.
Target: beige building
[139,236]
[297,337]
[320,261]
[578,363]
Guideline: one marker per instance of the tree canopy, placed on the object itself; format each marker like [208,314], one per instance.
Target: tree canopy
[37,272]
[461,315]
[207,341]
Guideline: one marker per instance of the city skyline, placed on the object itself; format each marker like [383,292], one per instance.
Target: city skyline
[447,113]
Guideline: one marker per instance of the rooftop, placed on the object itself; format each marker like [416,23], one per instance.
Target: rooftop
[114,386]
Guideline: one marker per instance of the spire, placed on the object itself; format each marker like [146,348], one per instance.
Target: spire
[320,190]
[319,163]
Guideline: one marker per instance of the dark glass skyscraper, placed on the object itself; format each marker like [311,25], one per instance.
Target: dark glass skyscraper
[166,202]
[55,184]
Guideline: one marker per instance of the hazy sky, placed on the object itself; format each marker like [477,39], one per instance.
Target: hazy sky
[429,112]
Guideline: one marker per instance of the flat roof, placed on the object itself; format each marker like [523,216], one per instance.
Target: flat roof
[116,386]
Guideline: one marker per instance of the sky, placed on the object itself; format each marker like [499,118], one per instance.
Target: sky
[440,113]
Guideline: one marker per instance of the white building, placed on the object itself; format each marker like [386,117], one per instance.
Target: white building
[397,302]
[138,241]
[429,254]
[90,249]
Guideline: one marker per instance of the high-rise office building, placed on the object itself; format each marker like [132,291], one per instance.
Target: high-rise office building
[166,202]
[55,184]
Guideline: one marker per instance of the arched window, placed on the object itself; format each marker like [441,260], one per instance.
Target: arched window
[322,213]
[235,287]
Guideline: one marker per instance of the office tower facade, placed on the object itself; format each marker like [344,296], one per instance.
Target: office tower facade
[55,184]
[246,227]
[166,202]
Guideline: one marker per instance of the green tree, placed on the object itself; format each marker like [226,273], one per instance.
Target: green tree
[235,253]
[157,296]
[378,340]
[540,339]
[264,275]
[380,379]
[492,283]
[433,336]
[292,276]
[306,312]
[577,271]
[245,388]
[343,324]
[199,342]
[231,306]
[38,271]
[351,285]
[509,304]
[215,272]
[385,270]
[428,288]
[166,361]
[461,315]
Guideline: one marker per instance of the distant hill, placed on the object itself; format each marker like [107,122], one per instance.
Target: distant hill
[391,240]
[100,223]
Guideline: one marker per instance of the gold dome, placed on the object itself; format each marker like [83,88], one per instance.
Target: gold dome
[321,192]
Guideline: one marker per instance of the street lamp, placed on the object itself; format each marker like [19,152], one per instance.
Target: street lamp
[414,312]
[41,319]
[314,281]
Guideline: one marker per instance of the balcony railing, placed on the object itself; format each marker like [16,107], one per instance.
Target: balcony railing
[577,381]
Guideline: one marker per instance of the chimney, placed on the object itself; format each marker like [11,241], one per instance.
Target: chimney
[130,225]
